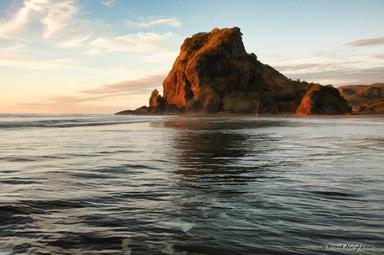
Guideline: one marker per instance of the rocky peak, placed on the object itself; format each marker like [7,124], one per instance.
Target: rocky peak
[228,40]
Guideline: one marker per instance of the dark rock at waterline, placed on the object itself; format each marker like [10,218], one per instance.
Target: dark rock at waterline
[139,111]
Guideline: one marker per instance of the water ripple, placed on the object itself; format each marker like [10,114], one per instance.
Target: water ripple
[190,185]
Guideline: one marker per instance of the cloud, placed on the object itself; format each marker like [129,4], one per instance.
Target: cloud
[79,99]
[58,15]
[344,75]
[18,21]
[137,86]
[146,23]
[324,65]
[53,15]
[74,42]
[304,66]
[380,56]
[139,42]
[128,93]
[125,88]
[108,3]
[367,42]
[34,64]
[15,56]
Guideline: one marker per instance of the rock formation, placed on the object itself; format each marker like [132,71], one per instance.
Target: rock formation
[323,100]
[156,102]
[364,98]
[214,73]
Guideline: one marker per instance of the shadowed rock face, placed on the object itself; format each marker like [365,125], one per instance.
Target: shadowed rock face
[323,100]
[153,100]
[156,102]
[214,73]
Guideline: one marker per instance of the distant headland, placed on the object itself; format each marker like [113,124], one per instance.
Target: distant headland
[214,74]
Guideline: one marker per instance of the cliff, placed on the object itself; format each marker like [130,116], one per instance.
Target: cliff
[214,73]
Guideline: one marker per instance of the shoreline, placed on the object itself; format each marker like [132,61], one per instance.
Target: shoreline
[223,114]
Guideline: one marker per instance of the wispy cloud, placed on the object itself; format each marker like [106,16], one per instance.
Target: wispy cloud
[74,42]
[304,66]
[108,3]
[16,57]
[18,20]
[139,42]
[325,65]
[34,64]
[52,15]
[380,56]
[58,15]
[334,67]
[90,100]
[137,86]
[344,75]
[146,22]
[367,42]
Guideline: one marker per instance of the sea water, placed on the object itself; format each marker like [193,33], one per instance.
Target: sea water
[102,184]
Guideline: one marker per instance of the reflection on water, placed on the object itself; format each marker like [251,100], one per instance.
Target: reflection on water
[217,157]
[204,148]
[190,185]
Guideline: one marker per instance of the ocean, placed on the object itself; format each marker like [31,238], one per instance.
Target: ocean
[99,184]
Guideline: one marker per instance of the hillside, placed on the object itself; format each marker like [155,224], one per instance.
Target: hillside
[364,98]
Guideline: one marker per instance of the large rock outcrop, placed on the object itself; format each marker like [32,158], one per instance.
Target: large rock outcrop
[214,73]
[323,100]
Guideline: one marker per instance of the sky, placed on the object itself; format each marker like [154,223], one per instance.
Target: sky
[102,56]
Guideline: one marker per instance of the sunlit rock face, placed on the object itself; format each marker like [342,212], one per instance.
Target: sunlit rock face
[323,100]
[213,72]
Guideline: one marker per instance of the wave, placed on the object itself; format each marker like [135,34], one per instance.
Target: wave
[28,121]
